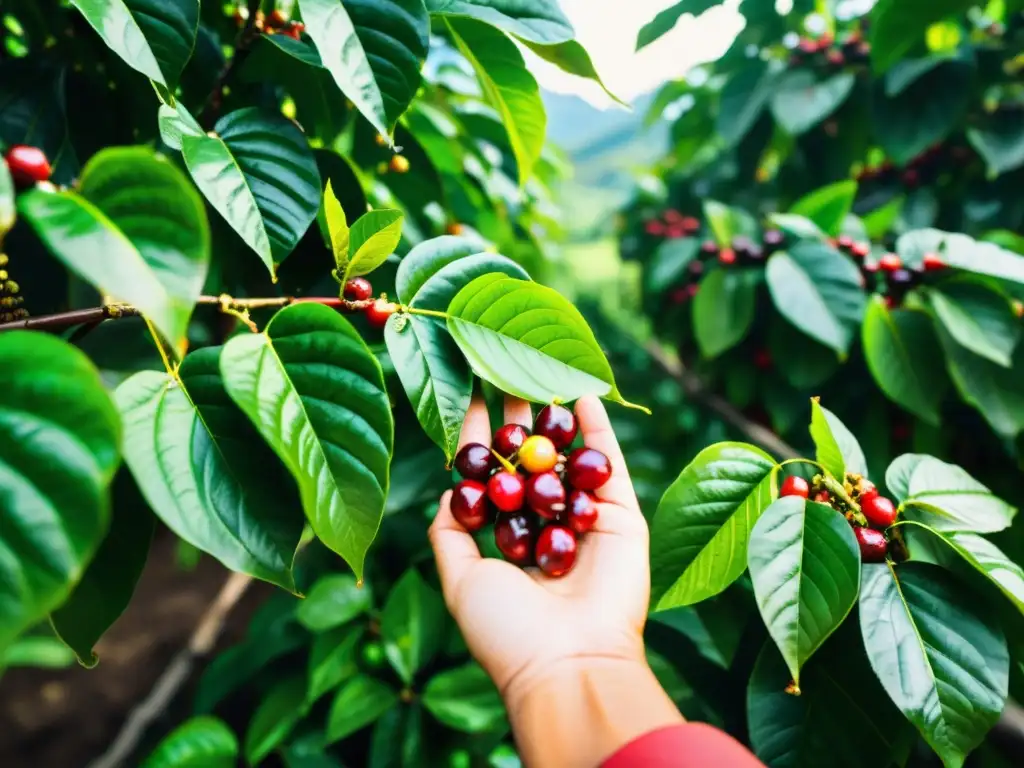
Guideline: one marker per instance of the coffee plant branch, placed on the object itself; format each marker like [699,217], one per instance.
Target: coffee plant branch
[247,35]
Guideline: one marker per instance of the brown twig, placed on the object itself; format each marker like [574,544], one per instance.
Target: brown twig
[210,110]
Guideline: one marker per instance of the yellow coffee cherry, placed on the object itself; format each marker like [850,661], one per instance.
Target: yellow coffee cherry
[538,454]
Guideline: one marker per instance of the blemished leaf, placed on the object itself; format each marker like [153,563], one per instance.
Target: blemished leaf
[723,310]
[465,699]
[259,173]
[154,37]
[818,292]
[700,531]
[828,206]
[333,659]
[274,718]
[537,21]
[898,25]
[939,655]
[136,230]
[316,394]
[572,58]
[334,600]
[800,102]
[360,702]
[1000,142]
[202,742]
[744,98]
[901,353]
[59,441]
[204,471]
[836,448]
[374,50]
[528,340]
[664,22]
[411,625]
[805,566]
[669,262]
[508,86]
[977,318]
[374,237]
[337,228]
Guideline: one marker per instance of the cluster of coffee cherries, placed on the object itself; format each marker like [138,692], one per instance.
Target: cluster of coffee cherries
[922,168]
[897,280]
[358,293]
[271,24]
[28,166]
[538,498]
[742,250]
[828,53]
[877,513]
[672,224]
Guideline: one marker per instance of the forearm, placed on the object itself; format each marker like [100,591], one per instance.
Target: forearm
[581,713]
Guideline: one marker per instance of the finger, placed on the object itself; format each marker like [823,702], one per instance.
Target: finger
[454,550]
[476,428]
[518,412]
[597,433]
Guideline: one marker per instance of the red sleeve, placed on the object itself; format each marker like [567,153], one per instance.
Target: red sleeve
[687,745]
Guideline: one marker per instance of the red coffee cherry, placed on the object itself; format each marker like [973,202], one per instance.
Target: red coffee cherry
[932,262]
[475,462]
[879,510]
[557,423]
[469,505]
[872,543]
[538,454]
[545,494]
[515,536]
[587,469]
[358,289]
[795,486]
[727,256]
[581,511]
[890,262]
[556,550]
[506,490]
[379,312]
[509,439]
[28,165]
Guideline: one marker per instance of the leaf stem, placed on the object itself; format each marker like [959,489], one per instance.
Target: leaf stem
[160,347]
[426,312]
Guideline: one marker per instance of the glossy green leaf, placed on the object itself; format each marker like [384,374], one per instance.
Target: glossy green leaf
[529,341]
[572,58]
[666,20]
[939,655]
[59,440]
[836,448]
[901,353]
[333,659]
[334,600]
[669,262]
[374,49]
[1000,142]
[427,259]
[374,237]
[906,72]
[175,123]
[465,699]
[508,86]
[204,471]
[316,394]
[537,21]
[798,227]
[411,625]
[828,206]
[360,702]
[723,310]
[805,566]
[7,204]
[899,25]
[743,100]
[154,37]
[135,230]
[977,318]
[38,651]
[259,173]
[726,222]
[337,228]
[882,220]
[800,102]
[274,718]
[819,292]
[808,370]
[202,742]
[700,531]
[397,740]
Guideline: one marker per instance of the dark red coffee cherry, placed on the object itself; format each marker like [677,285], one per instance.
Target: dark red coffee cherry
[506,490]
[545,495]
[557,423]
[581,511]
[28,165]
[475,462]
[879,510]
[379,312]
[556,550]
[509,439]
[515,536]
[358,289]
[872,543]
[795,486]
[587,469]
[469,505]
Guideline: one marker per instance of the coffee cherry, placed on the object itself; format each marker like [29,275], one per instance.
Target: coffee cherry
[845,242]
[358,289]
[860,250]
[762,359]
[399,164]
[276,18]
[538,454]
[727,256]
[932,262]
[557,423]
[835,58]
[654,228]
[872,543]
[690,224]
[695,268]
[911,178]
[28,165]
[890,262]
[373,655]
[515,536]
[556,550]
[879,510]
[469,505]
[509,439]
[506,490]
[795,486]
[475,462]
[823,497]
[379,312]
[709,247]
[587,469]
[454,228]
[773,238]
[545,494]
[581,511]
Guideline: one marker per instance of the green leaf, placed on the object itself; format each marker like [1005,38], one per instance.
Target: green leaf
[699,533]
[411,625]
[374,49]
[204,471]
[397,739]
[337,228]
[726,222]
[898,25]
[429,258]
[1000,143]
[8,211]
[819,292]
[799,227]
[508,86]
[334,600]
[37,651]
[805,565]
[942,661]
[373,238]
[274,718]
[908,71]
[465,699]
[881,221]
[529,341]
[154,37]
[259,173]
[572,58]
[669,262]
[743,99]
[812,367]
[333,659]
[202,742]
[59,440]
[537,21]
[136,231]
[723,310]
[978,318]
[664,22]
[800,102]
[828,206]
[900,350]
[836,449]
[316,394]
[360,702]
[175,123]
